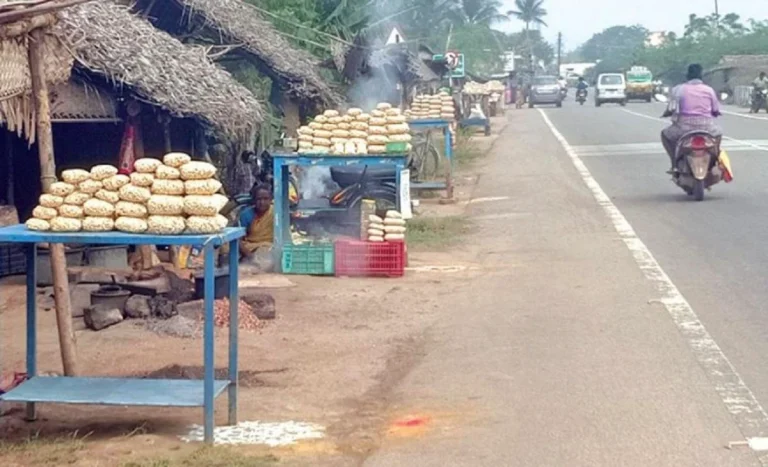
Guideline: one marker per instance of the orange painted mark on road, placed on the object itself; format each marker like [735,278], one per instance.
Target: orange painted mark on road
[410,426]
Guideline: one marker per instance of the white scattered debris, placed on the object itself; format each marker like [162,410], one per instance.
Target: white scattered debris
[758,444]
[443,269]
[270,434]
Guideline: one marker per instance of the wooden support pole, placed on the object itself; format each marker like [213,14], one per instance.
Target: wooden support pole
[47,177]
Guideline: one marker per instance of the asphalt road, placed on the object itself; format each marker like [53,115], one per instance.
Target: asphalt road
[575,346]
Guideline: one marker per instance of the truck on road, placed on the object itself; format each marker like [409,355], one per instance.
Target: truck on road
[640,83]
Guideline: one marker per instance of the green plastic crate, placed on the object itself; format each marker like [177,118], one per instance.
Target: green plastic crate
[397,147]
[309,260]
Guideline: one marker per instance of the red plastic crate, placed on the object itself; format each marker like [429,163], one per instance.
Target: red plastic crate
[355,258]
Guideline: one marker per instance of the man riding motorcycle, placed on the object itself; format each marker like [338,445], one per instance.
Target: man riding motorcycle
[759,86]
[582,84]
[693,106]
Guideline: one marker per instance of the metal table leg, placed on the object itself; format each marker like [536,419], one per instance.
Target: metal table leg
[234,257]
[208,344]
[31,414]
[281,220]
[449,156]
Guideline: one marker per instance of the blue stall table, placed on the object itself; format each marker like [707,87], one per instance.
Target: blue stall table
[133,391]
[445,125]
[281,165]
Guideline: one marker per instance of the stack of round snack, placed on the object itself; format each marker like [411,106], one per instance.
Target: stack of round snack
[394,227]
[202,203]
[438,106]
[390,229]
[79,202]
[447,107]
[333,133]
[377,129]
[170,197]
[375,229]
[398,130]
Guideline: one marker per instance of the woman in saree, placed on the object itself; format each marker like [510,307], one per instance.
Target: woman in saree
[259,223]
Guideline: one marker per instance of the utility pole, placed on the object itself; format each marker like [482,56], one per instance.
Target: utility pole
[559,50]
[717,19]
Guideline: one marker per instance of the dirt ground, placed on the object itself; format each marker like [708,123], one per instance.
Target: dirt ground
[331,357]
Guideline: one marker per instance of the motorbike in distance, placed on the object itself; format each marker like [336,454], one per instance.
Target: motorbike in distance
[581,96]
[759,100]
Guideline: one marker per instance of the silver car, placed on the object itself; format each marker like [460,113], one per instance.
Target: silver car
[545,90]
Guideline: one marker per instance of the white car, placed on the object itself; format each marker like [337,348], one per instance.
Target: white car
[611,88]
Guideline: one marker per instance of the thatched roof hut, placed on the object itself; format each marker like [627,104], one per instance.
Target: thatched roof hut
[106,39]
[234,22]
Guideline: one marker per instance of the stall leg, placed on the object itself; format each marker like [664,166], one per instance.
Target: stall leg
[31,414]
[449,168]
[208,345]
[398,176]
[234,300]
[280,201]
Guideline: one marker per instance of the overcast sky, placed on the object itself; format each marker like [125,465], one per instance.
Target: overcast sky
[578,20]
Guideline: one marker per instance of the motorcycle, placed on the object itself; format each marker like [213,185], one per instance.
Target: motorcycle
[340,213]
[759,101]
[697,163]
[581,96]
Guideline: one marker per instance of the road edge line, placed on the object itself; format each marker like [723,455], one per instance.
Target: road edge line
[750,417]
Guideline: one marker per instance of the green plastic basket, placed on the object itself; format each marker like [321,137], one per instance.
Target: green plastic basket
[309,260]
[397,147]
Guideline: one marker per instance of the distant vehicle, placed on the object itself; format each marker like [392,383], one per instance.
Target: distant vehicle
[759,100]
[545,90]
[581,96]
[611,88]
[640,84]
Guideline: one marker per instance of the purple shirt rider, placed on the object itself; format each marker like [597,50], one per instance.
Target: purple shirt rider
[695,99]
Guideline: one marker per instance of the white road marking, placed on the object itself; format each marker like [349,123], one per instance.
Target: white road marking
[738,399]
[736,114]
[728,138]
[655,148]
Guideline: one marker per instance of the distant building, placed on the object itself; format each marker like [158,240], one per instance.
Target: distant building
[656,39]
[575,69]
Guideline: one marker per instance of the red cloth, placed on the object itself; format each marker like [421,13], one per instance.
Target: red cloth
[128,149]
[9,382]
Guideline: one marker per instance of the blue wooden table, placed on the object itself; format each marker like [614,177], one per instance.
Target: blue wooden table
[130,391]
[281,166]
[445,125]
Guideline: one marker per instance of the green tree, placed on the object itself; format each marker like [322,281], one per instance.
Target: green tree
[617,44]
[530,12]
[476,12]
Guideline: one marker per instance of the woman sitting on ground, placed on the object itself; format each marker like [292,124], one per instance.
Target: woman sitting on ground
[258,219]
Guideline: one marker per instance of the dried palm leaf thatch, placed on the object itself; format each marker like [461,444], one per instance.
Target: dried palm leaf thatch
[16,109]
[239,22]
[107,39]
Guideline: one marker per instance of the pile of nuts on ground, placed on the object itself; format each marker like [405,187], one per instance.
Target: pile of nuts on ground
[246,317]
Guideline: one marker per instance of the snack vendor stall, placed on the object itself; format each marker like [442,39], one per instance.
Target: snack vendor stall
[171,202]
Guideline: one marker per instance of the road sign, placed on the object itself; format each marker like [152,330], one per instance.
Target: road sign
[454,61]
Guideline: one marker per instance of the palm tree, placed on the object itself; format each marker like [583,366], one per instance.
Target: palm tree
[477,12]
[529,12]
